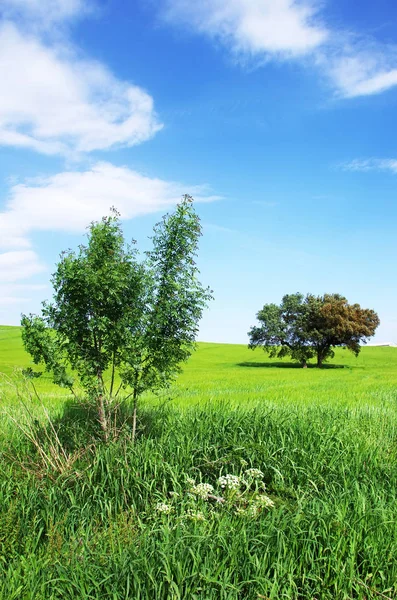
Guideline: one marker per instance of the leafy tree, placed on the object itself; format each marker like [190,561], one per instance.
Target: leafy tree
[113,314]
[304,327]
[281,330]
[332,321]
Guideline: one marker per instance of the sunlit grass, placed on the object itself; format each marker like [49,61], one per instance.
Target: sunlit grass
[325,443]
[235,374]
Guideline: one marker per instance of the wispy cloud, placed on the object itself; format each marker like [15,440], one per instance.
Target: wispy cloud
[354,65]
[253,27]
[18,265]
[371,164]
[55,102]
[358,66]
[70,200]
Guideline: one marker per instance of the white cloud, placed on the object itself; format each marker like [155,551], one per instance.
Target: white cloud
[292,29]
[54,102]
[285,27]
[69,201]
[373,85]
[371,164]
[20,264]
[361,68]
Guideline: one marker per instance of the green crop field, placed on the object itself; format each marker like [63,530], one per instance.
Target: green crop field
[315,519]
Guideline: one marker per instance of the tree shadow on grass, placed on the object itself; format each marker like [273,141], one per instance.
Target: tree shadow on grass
[51,445]
[78,426]
[285,365]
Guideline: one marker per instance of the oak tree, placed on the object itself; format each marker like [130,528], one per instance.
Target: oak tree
[311,326]
[332,321]
[282,329]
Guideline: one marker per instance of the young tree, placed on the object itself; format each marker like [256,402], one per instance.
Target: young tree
[304,327]
[114,314]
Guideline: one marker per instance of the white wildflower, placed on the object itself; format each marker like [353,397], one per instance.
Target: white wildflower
[229,482]
[254,473]
[190,481]
[240,511]
[253,510]
[163,508]
[194,515]
[173,494]
[264,501]
[202,490]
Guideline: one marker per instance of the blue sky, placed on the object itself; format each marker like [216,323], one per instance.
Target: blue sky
[278,116]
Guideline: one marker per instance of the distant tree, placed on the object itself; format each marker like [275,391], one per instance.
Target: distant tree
[332,322]
[304,327]
[282,329]
[114,315]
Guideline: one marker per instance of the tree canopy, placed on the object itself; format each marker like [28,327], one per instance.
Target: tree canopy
[306,327]
[116,315]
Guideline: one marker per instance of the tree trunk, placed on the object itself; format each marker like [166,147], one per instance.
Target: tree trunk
[101,407]
[135,397]
[113,372]
[304,364]
[134,415]
[134,424]
[319,360]
[102,417]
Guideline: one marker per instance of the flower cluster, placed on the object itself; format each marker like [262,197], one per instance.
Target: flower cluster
[202,490]
[254,508]
[245,494]
[229,482]
[264,501]
[163,508]
[193,515]
[254,473]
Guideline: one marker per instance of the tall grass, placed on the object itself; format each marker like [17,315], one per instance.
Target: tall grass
[125,521]
[99,529]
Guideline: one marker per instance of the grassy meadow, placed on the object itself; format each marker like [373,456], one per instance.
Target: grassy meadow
[251,478]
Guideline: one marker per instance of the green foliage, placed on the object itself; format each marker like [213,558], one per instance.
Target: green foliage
[174,301]
[332,321]
[282,330]
[111,312]
[45,349]
[303,327]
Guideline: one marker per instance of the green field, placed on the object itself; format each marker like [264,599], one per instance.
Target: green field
[123,520]
[233,373]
